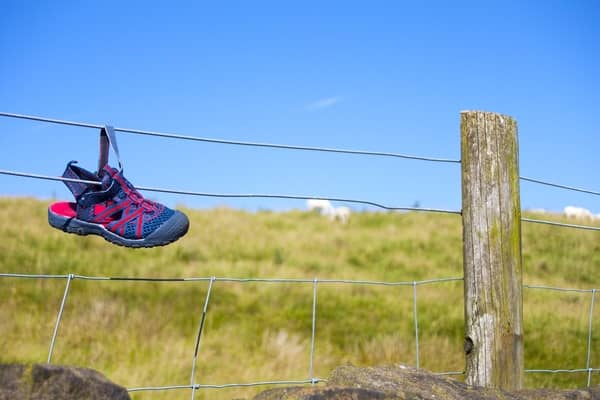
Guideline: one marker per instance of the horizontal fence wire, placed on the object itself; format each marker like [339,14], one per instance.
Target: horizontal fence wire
[241,195]
[226,385]
[292,197]
[233,142]
[559,289]
[562,371]
[556,185]
[231,279]
[561,224]
[193,386]
[159,388]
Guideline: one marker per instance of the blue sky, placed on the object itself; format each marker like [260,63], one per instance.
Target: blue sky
[382,76]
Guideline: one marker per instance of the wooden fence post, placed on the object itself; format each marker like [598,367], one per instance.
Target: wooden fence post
[491,215]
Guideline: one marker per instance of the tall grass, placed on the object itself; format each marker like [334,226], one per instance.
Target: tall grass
[144,333]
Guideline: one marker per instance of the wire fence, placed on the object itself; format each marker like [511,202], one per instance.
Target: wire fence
[194,386]
[588,355]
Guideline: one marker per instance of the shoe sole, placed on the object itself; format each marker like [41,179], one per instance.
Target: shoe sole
[174,228]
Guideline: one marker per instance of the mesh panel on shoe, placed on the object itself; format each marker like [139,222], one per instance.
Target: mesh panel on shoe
[130,230]
[152,224]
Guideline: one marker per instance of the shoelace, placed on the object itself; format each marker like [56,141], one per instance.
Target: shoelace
[131,192]
[139,200]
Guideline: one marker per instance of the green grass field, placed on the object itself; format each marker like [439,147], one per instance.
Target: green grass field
[144,333]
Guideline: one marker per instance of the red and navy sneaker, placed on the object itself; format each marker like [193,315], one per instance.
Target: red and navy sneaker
[108,205]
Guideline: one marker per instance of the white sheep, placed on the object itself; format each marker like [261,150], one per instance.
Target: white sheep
[324,207]
[342,213]
[578,212]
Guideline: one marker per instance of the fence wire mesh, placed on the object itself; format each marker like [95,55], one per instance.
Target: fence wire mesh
[310,378]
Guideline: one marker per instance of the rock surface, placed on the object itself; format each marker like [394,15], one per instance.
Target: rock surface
[53,382]
[405,383]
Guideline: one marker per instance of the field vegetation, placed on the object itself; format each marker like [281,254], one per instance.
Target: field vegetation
[141,333]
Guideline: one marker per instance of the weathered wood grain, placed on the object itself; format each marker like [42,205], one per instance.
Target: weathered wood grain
[491,215]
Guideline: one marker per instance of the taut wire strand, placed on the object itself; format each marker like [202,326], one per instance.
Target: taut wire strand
[540,221]
[575,189]
[46,177]
[234,142]
[561,371]
[240,195]
[262,383]
[233,279]
[558,289]
[51,120]
[290,197]
[223,386]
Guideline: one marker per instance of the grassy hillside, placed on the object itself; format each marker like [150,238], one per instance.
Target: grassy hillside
[143,333]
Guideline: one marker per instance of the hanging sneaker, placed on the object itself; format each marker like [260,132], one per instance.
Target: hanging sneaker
[108,205]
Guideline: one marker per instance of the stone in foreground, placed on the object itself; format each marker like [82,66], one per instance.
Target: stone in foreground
[402,383]
[53,382]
